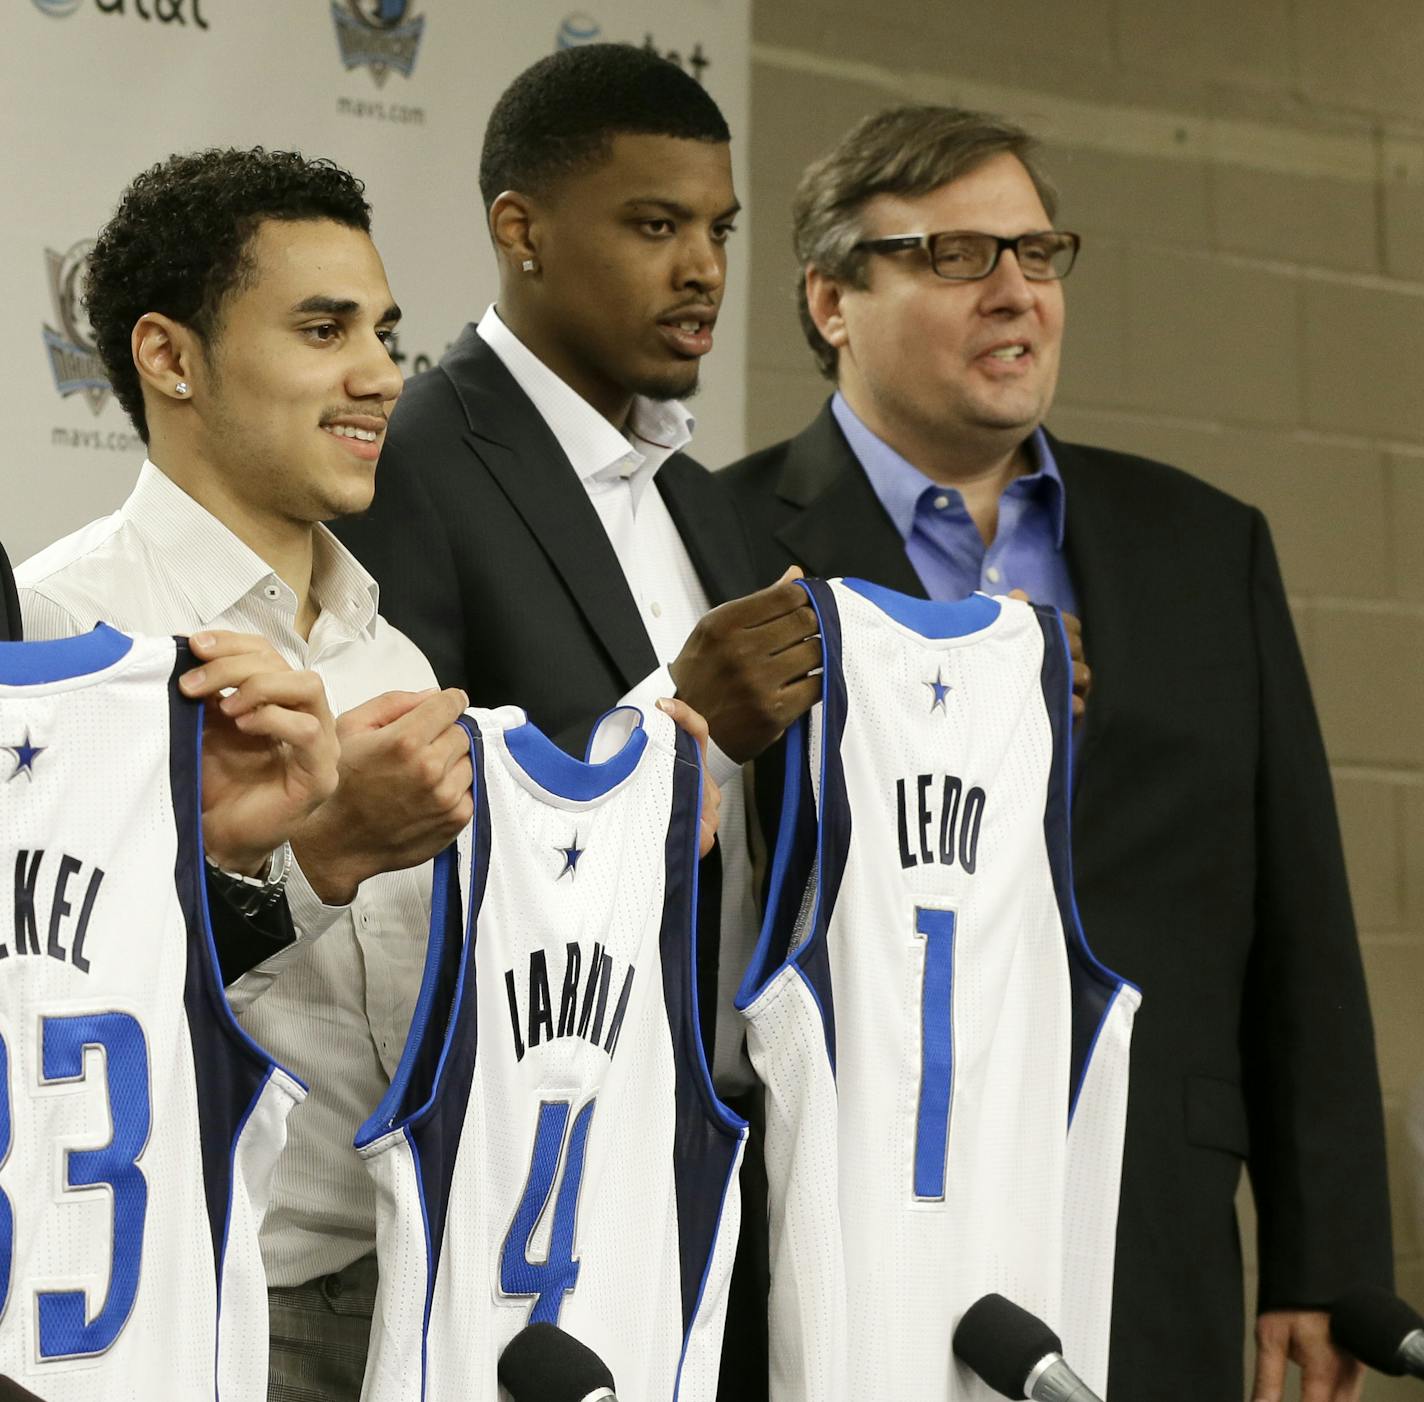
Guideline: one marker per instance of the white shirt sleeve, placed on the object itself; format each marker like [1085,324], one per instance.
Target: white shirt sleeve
[645,694]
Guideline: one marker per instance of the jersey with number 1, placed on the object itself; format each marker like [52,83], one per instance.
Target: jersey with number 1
[945,1061]
[139,1125]
[551,1149]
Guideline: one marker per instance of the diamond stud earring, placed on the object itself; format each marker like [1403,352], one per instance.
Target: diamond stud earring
[181,387]
[528,265]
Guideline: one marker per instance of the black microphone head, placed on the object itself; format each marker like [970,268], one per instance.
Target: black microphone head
[541,1363]
[1371,1322]
[1003,1343]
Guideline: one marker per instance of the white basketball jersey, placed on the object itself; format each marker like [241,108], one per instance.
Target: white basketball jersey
[139,1125]
[945,1061]
[551,1149]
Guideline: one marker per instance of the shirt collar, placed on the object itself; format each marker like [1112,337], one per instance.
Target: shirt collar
[900,484]
[594,448]
[215,569]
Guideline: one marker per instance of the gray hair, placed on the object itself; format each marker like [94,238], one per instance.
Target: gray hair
[910,150]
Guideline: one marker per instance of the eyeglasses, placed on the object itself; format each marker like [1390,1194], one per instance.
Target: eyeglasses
[964,256]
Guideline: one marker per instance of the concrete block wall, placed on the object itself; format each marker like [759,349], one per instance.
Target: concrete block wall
[1249,181]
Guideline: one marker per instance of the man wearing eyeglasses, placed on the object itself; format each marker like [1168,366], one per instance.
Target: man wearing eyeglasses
[1207,854]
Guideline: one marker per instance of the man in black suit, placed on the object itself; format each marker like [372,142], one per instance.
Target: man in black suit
[1208,860]
[537,529]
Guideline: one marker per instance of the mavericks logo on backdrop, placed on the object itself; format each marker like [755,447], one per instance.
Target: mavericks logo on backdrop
[72,356]
[377,34]
[59,9]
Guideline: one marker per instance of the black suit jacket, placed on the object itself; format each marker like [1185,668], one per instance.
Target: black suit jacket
[1208,871]
[490,556]
[11,626]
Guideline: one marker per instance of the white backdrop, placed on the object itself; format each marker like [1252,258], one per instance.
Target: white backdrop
[93,91]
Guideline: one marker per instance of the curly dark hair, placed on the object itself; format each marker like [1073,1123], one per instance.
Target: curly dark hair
[563,112]
[179,242]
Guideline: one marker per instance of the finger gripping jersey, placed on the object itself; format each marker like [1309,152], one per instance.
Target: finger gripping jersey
[139,1125]
[945,1061]
[551,1149]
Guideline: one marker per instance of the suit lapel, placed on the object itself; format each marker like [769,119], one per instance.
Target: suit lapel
[519,450]
[1097,546]
[841,529]
[710,528]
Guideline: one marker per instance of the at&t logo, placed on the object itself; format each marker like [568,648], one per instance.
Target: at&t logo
[164,11]
[378,34]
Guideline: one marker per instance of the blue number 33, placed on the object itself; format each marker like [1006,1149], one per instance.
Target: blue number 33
[65,1328]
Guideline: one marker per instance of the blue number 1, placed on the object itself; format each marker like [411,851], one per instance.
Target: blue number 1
[549,1280]
[936,1051]
[65,1330]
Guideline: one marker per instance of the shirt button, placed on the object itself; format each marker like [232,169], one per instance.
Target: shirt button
[331,1287]
[941,502]
[273,592]
[992,574]
[656,609]
[365,919]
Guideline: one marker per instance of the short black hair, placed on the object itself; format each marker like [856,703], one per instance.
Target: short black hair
[178,243]
[563,112]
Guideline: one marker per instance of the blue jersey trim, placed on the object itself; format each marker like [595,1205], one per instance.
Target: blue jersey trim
[1094,986]
[811,836]
[429,1268]
[559,773]
[62,659]
[230,1069]
[707,1135]
[706,1271]
[930,618]
[227,1223]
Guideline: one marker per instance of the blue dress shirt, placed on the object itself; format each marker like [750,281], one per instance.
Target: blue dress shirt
[941,539]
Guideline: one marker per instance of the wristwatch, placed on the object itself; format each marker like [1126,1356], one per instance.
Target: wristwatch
[250,895]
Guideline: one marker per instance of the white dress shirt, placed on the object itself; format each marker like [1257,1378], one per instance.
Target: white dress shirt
[334,1010]
[616,471]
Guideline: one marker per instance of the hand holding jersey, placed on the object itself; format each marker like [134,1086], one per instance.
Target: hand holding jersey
[1082,673]
[402,796]
[746,664]
[269,752]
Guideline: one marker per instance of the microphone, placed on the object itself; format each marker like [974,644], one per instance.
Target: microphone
[1380,1329]
[541,1363]
[1016,1353]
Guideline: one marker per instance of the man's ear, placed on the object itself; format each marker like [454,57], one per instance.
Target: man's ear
[165,354]
[823,300]
[514,227]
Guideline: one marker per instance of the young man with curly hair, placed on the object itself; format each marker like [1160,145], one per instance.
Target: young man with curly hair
[242,313]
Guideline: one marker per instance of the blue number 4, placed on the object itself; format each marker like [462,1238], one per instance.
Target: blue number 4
[65,1330]
[546,1282]
[936,927]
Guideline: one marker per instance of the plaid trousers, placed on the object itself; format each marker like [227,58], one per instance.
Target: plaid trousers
[320,1332]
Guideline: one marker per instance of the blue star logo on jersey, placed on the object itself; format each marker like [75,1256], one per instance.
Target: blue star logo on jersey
[941,689]
[571,855]
[26,752]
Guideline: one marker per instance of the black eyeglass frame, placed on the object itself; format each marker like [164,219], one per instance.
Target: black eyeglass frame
[896,243]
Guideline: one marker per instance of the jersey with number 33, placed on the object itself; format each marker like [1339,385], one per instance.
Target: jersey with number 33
[551,1149]
[139,1125]
[945,1061]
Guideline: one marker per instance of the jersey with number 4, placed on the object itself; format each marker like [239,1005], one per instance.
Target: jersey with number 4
[139,1125]
[551,1149]
[945,1061]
